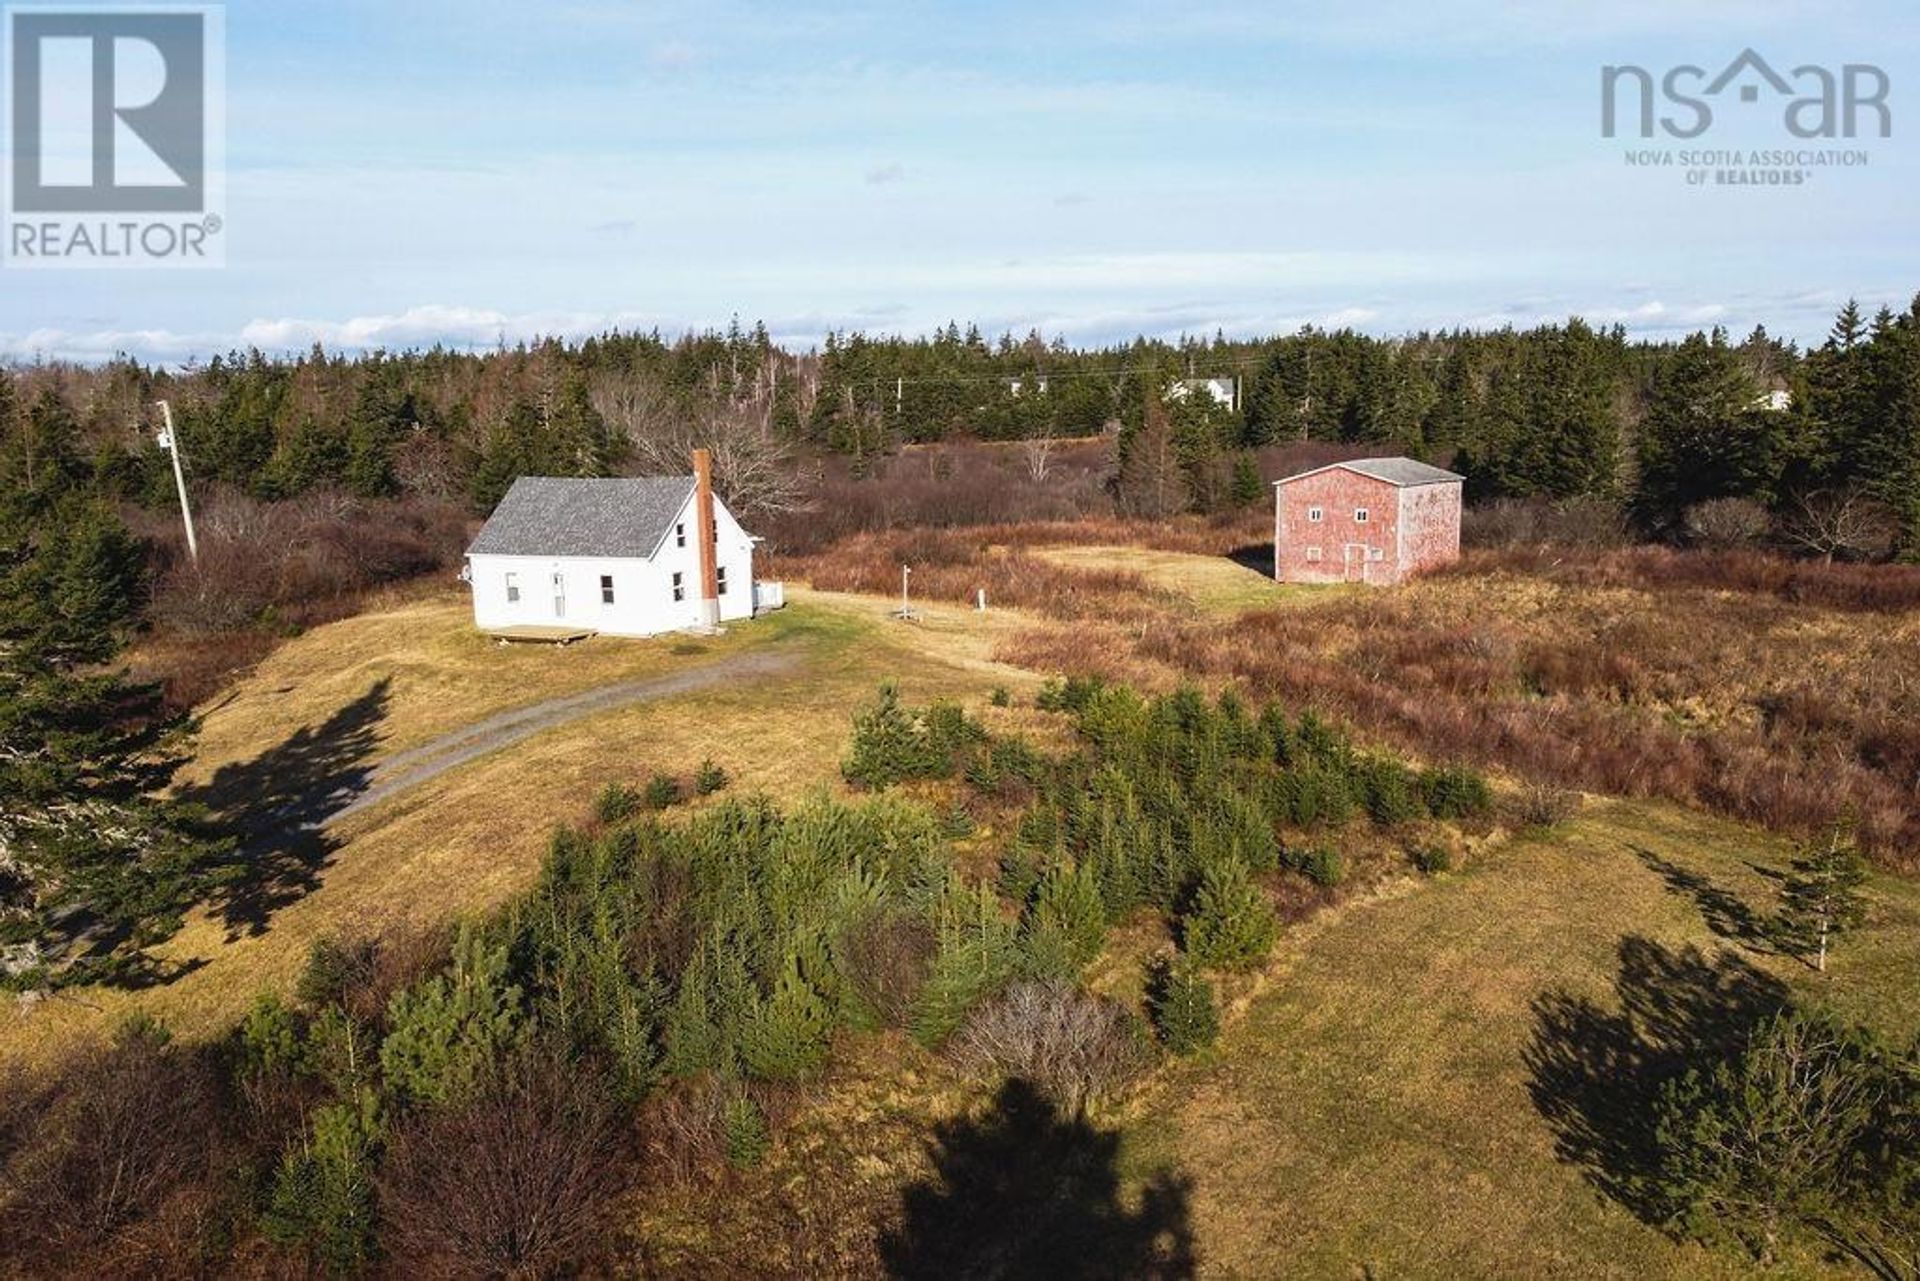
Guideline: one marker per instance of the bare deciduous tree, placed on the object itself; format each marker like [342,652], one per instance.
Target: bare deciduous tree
[1038,451]
[1072,1045]
[514,1183]
[1845,522]
[753,468]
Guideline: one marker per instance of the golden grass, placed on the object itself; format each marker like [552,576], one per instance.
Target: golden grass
[1369,1112]
[1214,584]
[469,839]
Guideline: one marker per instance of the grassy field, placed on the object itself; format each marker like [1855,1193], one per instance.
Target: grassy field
[1372,1112]
[321,710]
[1399,1092]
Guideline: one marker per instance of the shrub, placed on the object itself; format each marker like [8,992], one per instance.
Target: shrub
[516,1182]
[616,801]
[448,1031]
[1066,923]
[1544,805]
[1431,859]
[1727,522]
[1000,697]
[1799,1133]
[1231,925]
[887,957]
[1181,1005]
[322,1200]
[1320,864]
[1387,790]
[663,792]
[744,1130]
[892,744]
[710,778]
[102,1152]
[1072,1045]
[785,1037]
[1455,792]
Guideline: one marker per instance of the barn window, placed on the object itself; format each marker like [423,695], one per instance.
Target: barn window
[1313,553]
[606,589]
[1360,515]
[1315,514]
[513,588]
[720,579]
[680,535]
[679,587]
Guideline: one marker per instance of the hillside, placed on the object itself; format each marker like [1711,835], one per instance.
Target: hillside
[1419,1080]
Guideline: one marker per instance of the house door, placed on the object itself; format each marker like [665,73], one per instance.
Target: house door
[1356,563]
[559,595]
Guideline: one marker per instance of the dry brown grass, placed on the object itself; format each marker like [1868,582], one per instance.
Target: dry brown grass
[1784,713]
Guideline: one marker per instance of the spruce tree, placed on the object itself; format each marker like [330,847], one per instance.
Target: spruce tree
[96,865]
[1180,1002]
[1822,896]
[1231,925]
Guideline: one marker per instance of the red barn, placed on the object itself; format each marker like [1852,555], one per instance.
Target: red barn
[1370,520]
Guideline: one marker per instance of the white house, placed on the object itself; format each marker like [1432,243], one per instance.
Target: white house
[626,557]
[1224,392]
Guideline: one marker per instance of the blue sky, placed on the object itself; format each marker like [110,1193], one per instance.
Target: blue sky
[408,171]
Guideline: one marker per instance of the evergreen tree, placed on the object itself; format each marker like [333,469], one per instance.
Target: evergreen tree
[96,865]
[1180,1002]
[1231,925]
[1822,896]
[1153,481]
[1703,437]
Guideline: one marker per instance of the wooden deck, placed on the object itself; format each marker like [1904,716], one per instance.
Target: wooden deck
[535,634]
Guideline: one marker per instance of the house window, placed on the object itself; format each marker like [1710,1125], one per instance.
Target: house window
[606,589]
[1360,515]
[680,535]
[559,594]
[1313,553]
[720,580]
[679,587]
[1315,514]
[513,588]
[716,529]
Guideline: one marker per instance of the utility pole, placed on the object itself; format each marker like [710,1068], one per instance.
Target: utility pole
[171,443]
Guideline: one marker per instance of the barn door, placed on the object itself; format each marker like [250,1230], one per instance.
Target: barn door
[1356,563]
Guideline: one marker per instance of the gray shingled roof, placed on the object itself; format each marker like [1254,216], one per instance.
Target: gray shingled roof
[1395,471]
[554,516]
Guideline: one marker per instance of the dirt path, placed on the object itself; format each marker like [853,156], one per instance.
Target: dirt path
[417,765]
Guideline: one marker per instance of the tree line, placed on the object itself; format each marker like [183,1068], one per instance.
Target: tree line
[1828,436]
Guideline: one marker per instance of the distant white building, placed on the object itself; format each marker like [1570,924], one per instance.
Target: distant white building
[1222,391]
[1778,401]
[636,556]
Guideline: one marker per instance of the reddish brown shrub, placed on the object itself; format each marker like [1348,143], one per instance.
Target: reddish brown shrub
[106,1163]
[517,1182]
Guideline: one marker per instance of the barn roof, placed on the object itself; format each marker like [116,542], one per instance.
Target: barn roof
[1395,471]
[557,516]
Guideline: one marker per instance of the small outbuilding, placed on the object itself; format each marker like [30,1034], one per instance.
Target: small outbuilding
[1368,520]
[634,556]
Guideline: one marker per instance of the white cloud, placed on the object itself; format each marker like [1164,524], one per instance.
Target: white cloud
[890,172]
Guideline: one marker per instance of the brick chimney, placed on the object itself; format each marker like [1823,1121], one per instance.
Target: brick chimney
[709,552]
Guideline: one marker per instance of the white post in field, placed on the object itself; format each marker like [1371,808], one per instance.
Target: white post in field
[905,570]
[980,596]
[171,443]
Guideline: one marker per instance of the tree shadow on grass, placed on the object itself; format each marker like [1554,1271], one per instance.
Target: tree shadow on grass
[1725,912]
[277,806]
[1026,1191]
[1596,1073]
